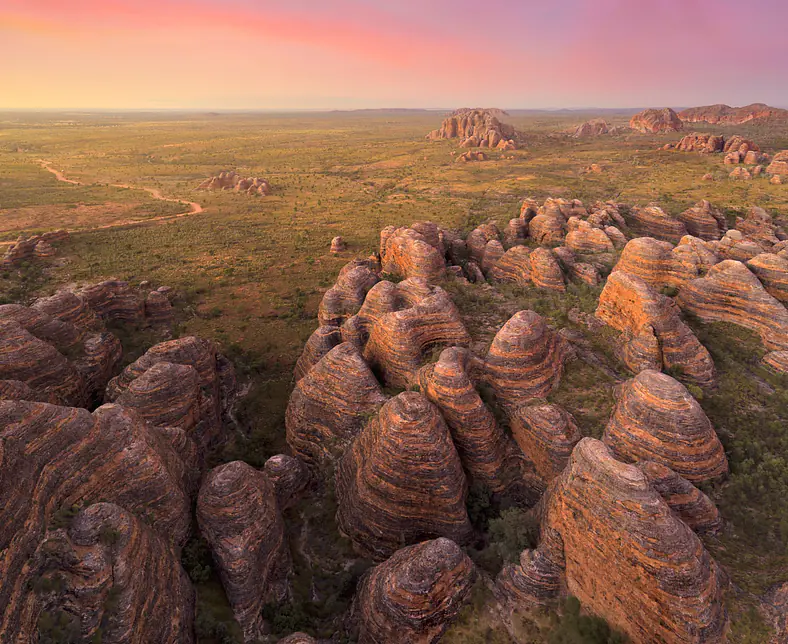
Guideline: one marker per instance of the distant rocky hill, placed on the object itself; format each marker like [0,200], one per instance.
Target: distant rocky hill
[726,115]
[652,121]
[478,128]
[233,181]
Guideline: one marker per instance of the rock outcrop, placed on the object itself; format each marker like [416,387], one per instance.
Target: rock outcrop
[658,263]
[605,528]
[345,298]
[407,253]
[545,270]
[114,300]
[414,595]
[239,517]
[704,221]
[338,245]
[289,476]
[729,292]
[652,221]
[657,419]
[231,180]
[478,128]
[331,404]
[401,481]
[525,361]
[37,246]
[71,308]
[779,164]
[319,344]
[547,434]
[704,143]
[654,121]
[726,115]
[772,271]
[594,127]
[654,336]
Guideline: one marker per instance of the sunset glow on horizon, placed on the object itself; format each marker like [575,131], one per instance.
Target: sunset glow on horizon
[255,54]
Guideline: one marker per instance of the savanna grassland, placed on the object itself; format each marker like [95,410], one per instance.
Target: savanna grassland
[250,272]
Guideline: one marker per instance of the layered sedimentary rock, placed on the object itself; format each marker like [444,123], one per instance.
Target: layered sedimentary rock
[514,267]
[70,307]
[319,344]
[345,298]
[704,221]
[657,263]
[653,121]
[401,481]
[547,434]
[114,300]
[779,164]
[158,310]
[298,638]
[726,115]
[289,476]
[231,180]
[215,376]
[27,248]
[338,245]
[652,221]
[414,595]
[547,228]
[484,449]
[407,253]
[516,232]
[61,335]
[477,128]
[757,225]
[741,174]
[100,361]
[493,252]
[705,143]
[471,155]
[239,517]
[526,360]
[594,127]
[479,238]
[654,334]
[692,505]
[776,361]
[55,457]
[605,528]
[584,238]
[330,404]
[545,270]
[772,271]
[117,579]
[18,390]
[735,246]
[729,292]
[403,322]
[657,419]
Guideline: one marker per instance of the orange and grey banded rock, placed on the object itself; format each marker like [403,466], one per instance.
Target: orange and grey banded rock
[289,476]
[478,239]
[693,251]
[118,579]
[630,305]
[526,360]
[401,481]
[583,238]
[656,262]
[616,237]
[38,364]
[585,273]
[757,225]
[492,254]
[158,310]
[319,344]
[516,232]
[657,419]
[241,520]
[776,361]
[231,180]
[547,228]
[547,435]
[485,450]
[424,317]
[100,361]
[338,245]
[345,298]
[18,390]
[704,221]
[55,457]
[298,638]
[61,335]
[514,267]
[546,272]
[693,506]
[71,308]
[729,292]
[605,528]
[652,221]
[331,404]
[114,300]
[772,271]
[413,596]
[734,245]
[407,253]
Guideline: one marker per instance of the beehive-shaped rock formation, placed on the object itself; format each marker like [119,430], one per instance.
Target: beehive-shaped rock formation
[477,127]
[779,164]
[240,518]
[731,293]
[605,528]
[704,221]
[289,476]
[347,295]
[71,308]
[114,300]
[407,253]
[547,434]
[330,405]
[656,263]
[319,344]
[704,143]
[653,121]
[514,267]
[231,180]
[545,271]
[414,595]
[652,221]
[478,239]
[657,419]
[401,481]
[772,271]
[526,360]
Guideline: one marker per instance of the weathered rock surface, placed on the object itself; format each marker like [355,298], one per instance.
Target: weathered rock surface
[779,164]
[407,253]
[525,361]
[658,263]
[414,595]
[240,518]
[772,271]
[331,404]
[630,305]
[652,221]
[338,245]
[547,228]
[231,180]
[705,143]
[693,506]
[654,121]
[27,248]
[605,528]
[657,419]
[471,155]
[478,127]
[345,298]
[594,127]
[513,267]
[583,238]
[704,221]
[114,300]
[158,310]
[289,476]
[776,361]
[729,292]
[478,239]
[71,308]
[758,226]
[545,270]
[401,481]
[726,115]
[118,579]
[547,434]
[319,344]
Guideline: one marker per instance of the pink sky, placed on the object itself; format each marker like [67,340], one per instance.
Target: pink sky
[410,53]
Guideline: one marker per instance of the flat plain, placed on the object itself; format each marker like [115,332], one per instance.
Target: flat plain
[250,273]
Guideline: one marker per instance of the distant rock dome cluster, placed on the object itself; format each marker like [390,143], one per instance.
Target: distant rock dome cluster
[478,128]
[231,180]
